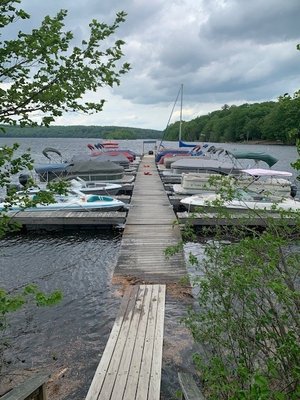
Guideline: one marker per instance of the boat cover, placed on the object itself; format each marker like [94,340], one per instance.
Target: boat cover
[184,144]
[94,166]
[55,168]
[192,163]
[80,166]
[260,156]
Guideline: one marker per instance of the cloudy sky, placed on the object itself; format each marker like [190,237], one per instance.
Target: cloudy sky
[222,51]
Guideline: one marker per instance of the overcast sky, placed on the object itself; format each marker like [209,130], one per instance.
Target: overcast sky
[222,51]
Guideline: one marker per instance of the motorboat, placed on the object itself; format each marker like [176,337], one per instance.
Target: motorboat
[259,180]
[242,201]
[197,165]
[100,149]
[86,168]
[267,181]
[105,144]
[196,183]
[94,187]
[74,200]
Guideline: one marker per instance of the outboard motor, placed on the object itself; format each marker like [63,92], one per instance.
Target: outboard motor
[293,191]
[24,179]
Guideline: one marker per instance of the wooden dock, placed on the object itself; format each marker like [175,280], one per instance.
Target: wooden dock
[149,231]
[130,367]
[242,218]
[61,219]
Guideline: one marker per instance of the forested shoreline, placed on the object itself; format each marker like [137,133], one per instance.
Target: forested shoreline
[272,122]
[81,131]
[277,122]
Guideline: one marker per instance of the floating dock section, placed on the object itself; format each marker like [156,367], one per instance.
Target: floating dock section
[150,229]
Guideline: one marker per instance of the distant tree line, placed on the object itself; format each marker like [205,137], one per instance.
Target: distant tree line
[271,121]
[80,131]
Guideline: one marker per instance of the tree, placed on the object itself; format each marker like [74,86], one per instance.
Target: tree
[45,75]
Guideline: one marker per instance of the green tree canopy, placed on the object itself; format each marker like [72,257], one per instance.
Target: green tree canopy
[44,74]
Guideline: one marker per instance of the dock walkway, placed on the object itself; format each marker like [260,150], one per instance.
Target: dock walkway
[130,367]
[149,231]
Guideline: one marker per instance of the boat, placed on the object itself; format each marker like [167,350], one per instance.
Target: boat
[74,200]
[267,181]
[259,180]
[86,168]
[99,151]
[165,152]
[94,187]
[242,201]
[197,165]
[216,160]
[195,183]
[104,144]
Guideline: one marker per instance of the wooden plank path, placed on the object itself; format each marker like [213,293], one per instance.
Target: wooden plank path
[149,231]
[67,218]
[130,367]
[242,218]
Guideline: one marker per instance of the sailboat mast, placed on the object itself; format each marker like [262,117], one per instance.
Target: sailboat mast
[180,123]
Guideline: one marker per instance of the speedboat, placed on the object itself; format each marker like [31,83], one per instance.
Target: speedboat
[94,187]
[242,201]
[73,201]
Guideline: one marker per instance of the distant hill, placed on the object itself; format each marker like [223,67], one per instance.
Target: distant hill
[81,131]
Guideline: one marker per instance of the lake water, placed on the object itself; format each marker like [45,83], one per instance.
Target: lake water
[67,340]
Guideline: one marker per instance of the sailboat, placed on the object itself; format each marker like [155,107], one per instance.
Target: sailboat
[163,152]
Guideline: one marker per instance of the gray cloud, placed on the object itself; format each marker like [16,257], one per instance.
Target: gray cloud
[223,51]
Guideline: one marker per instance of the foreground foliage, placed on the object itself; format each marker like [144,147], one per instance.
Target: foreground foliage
[246,317]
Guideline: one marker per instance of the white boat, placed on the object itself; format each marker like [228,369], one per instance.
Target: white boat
[94,187]
[197,165]
[267,181]
[73,201]
[195,183]
[259,180]
[243,201]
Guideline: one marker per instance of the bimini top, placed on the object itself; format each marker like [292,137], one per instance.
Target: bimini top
[265,172]
[267,158]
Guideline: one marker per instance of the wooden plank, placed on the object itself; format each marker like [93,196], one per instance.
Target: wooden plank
[27,388]
[150,228]
[130,367]
[69,218]
[240,218]
[103,366]
[155,378]
[137,334]
[145,372]
[119,349]
[134,371]
[189,387]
